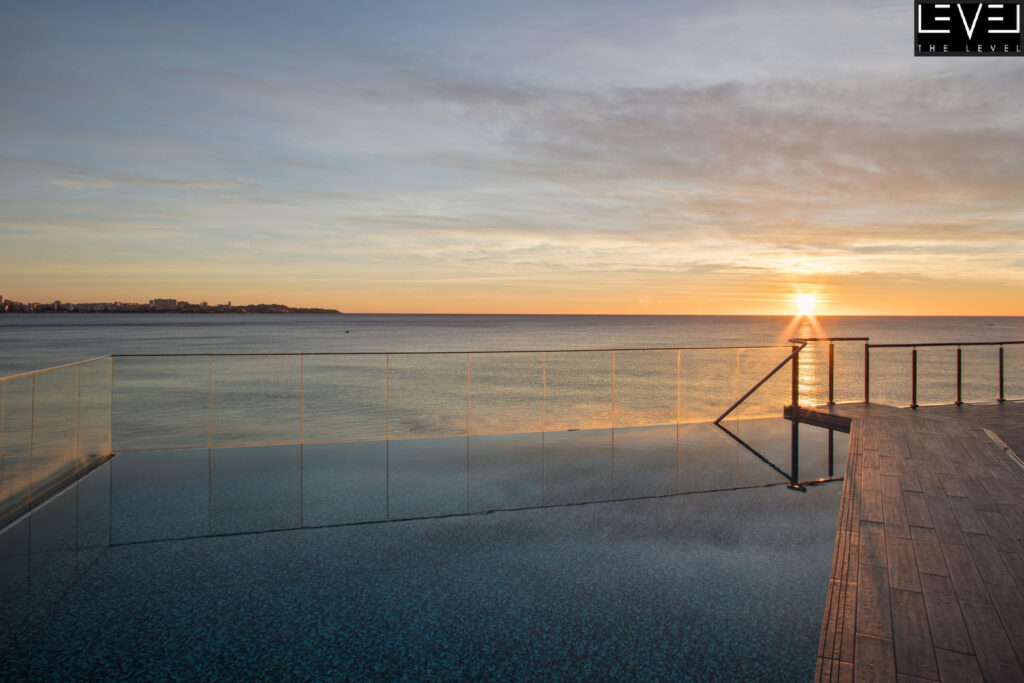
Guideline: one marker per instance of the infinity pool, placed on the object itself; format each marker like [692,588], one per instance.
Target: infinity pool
[271,563]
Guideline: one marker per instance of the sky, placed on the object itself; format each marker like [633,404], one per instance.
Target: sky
[449,156]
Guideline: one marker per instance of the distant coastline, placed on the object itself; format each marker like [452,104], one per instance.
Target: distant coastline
[154,306]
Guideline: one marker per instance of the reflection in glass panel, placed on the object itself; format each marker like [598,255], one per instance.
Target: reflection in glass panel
[94,436]
[15,550]
[93,515]
[813,373]
[1013,372]
[55,421]
[15,444]
[578,390]
[771,397]
[707,458]
[645,461]
[890,376]
[43,554]
[815,452]
[772,441]
[506,393]
[578,466]
[159,495]
[343,483]
[53,559]
[161,402]
[344,398]
[709,383]
[980,374]
[505,471]
[849,372]
[646,388]
[428,477]
[427,394]
[936,375]
[255,488]
[255,400]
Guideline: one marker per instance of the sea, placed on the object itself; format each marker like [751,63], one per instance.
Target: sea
[35,341]
[332,378]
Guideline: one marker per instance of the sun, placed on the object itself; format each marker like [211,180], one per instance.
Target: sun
[805,303]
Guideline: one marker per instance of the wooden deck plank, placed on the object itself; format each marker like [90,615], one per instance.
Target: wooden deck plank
[903,572]
[991,645]
[908,476]
[888,466]
[987,560]
[997,526]
[947,624]
[890,487]
[1009,604]
[930,547]
[1015,564]
[876,660]
[912,639]
[952,485]
[872,544]
[958,667]
[943,520]
[917,509]
[965,515]
[928,552]
[1014,515]
[895,515]
[978,494]
[874,615]
[967,581]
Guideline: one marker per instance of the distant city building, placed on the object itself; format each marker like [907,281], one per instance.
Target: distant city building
[160,305]
[154,305]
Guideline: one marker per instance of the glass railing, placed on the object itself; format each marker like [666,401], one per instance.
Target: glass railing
[54,426]
[215,401]
[341,438]
[507,414]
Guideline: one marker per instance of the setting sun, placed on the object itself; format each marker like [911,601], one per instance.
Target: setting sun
[805,304]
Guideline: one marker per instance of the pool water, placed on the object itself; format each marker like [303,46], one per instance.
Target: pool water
[271,563]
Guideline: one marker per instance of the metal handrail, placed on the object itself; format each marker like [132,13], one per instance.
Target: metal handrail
[440,353]
[55,367]
[959,366]
[794,356]
[796,351]
[910,345]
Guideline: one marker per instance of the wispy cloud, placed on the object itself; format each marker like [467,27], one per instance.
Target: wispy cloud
[715,144]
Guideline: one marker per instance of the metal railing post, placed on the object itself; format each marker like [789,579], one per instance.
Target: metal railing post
[831,452]
[959,376]
[31,438]
[110,425]
[1002,395]
[78,420]
[302,397]
[913,378]
[867,372]
[831,373]
[209,402]
[795,399]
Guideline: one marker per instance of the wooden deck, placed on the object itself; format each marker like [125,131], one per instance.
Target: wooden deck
[928,571]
